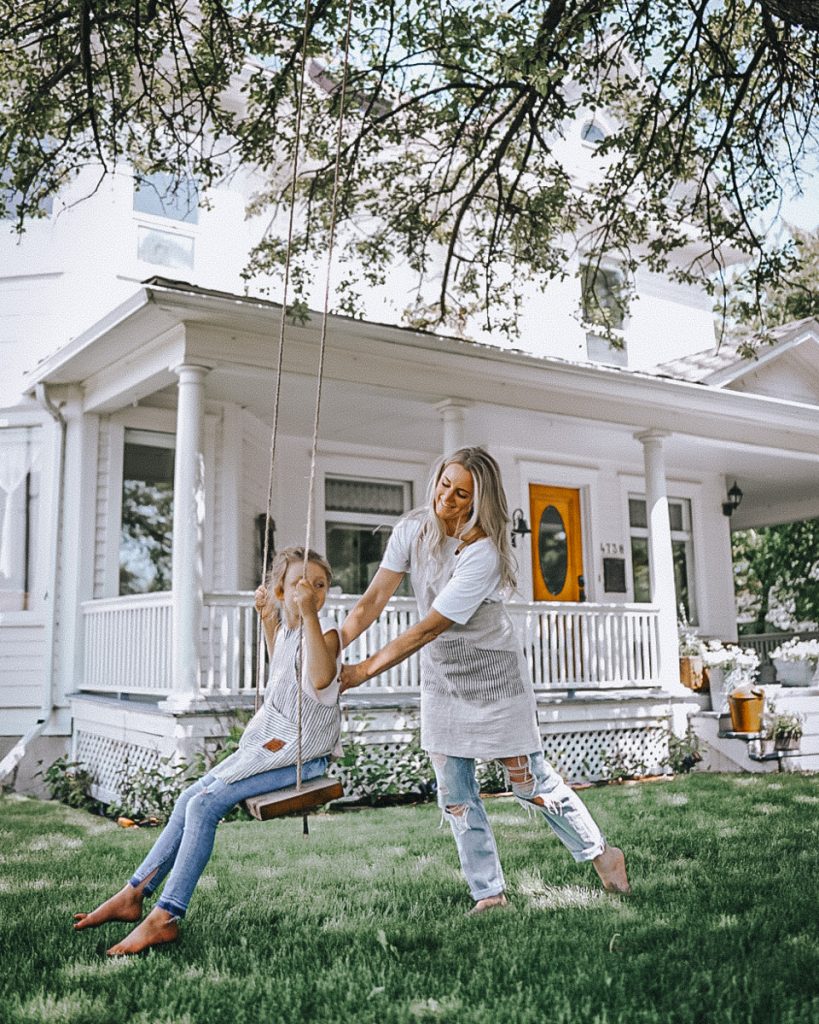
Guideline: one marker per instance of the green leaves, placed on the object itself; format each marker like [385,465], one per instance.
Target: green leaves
[461,156]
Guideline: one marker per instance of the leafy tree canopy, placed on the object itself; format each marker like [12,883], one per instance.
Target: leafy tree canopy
[453,159]
[794,296]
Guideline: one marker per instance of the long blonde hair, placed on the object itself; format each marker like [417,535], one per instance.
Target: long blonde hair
[489,512]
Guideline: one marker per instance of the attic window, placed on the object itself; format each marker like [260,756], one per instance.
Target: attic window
[592,133]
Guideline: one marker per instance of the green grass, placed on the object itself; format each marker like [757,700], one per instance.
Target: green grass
[364,920]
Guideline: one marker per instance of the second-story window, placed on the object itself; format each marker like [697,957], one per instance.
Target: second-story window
[359,517]
[603,305]
[175,202]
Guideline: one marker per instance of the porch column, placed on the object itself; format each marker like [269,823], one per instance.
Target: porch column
[660,556]
[188,520]
[453,416]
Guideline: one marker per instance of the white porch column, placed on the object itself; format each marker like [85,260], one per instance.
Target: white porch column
[188,520]
[660,556]
[453,417]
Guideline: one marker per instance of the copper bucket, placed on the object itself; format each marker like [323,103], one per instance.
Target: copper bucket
[746,710]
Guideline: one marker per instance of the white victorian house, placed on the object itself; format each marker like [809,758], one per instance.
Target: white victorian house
[621,476]
[134,455]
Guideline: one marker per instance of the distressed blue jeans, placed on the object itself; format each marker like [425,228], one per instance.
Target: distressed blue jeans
[537,785]
[184,845]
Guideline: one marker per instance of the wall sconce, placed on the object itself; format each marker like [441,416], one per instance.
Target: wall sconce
[734,500]
[519,526]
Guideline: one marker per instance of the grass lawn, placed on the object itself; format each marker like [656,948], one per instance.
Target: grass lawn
[364,920]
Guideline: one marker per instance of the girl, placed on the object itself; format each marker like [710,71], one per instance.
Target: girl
[477,699]
[267,752]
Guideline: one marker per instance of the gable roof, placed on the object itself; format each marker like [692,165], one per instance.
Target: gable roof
[723,365]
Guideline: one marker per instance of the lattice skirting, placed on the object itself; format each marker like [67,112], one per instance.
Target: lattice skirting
[107,758]
[580,756]
[589,756]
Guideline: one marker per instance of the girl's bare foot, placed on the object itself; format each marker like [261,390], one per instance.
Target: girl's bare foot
[489,903]
[126,905]
[158,927]
[610,865]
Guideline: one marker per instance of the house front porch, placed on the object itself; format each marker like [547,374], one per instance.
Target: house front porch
[596,669]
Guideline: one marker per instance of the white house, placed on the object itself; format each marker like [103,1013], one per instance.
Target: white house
[125,635]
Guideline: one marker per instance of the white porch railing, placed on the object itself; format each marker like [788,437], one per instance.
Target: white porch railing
[568,646]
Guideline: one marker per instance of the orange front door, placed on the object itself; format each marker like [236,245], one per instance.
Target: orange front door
[557,543]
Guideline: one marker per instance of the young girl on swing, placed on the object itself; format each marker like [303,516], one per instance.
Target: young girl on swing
[267,754]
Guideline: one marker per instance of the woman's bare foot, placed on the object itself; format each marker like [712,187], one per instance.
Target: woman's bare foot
[126,905]
[489,903]
[158,927]
[610,865]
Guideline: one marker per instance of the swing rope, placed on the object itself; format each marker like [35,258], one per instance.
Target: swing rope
[322,353]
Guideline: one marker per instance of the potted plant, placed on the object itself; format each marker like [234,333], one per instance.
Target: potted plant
[796,662]
[786,730]
[730,668]
[692,672]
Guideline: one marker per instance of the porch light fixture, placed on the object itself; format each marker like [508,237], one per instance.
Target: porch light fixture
[519,526]
[734,500]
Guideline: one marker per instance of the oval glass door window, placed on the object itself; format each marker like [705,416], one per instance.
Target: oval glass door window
[553,550]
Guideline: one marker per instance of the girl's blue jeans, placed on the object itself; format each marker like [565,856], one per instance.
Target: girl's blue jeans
[544,791]
[184,846]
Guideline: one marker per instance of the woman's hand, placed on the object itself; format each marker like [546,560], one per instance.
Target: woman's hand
[352,675]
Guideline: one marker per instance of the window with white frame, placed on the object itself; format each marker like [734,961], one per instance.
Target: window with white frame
[146,529]
[171,199]
[359,517]
[19,511]
[604,308]
[682,547]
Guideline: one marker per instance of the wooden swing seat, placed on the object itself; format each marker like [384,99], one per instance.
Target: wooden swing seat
[281,802]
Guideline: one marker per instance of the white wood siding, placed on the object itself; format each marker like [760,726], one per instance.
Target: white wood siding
[22,665]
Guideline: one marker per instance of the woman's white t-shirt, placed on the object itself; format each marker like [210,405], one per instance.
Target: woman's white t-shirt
[475,577]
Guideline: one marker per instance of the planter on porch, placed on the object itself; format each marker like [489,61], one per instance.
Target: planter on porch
[746,710]
[692,672]
[794,673]
[723,683]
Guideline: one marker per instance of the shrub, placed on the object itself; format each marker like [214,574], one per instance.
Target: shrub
[70,782]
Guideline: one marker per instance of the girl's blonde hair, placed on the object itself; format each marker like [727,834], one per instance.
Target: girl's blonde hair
[489,510]
[282,560]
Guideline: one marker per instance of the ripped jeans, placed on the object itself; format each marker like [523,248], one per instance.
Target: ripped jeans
[184,845]
[537,785]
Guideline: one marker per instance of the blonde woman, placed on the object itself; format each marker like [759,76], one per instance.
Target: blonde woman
[477,698]
[289,603]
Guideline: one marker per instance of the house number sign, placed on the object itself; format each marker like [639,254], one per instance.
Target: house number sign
[611,549]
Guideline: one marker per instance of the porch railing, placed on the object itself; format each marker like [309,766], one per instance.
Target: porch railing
[568,646]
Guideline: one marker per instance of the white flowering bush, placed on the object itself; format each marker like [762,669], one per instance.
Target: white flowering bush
[798,650]
[729,657]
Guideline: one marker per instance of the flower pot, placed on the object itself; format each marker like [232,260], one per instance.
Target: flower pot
[746,710]
[793,673]
[691,672]
[723,683]
[787,742]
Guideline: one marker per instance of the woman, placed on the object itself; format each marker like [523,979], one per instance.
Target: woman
[477,698]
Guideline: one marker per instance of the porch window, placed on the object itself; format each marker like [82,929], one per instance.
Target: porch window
[679,514]
[19,511]
[359,517]
[147,512]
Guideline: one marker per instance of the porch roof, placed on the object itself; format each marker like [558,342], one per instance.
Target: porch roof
[400,375]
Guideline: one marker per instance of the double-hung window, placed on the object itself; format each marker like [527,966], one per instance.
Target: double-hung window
[168,205]
[19,509]
[682,548]
[359,517]
[146,529]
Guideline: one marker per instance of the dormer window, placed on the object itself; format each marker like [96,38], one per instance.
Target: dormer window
[163,195]
[603,296]
[592,133]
